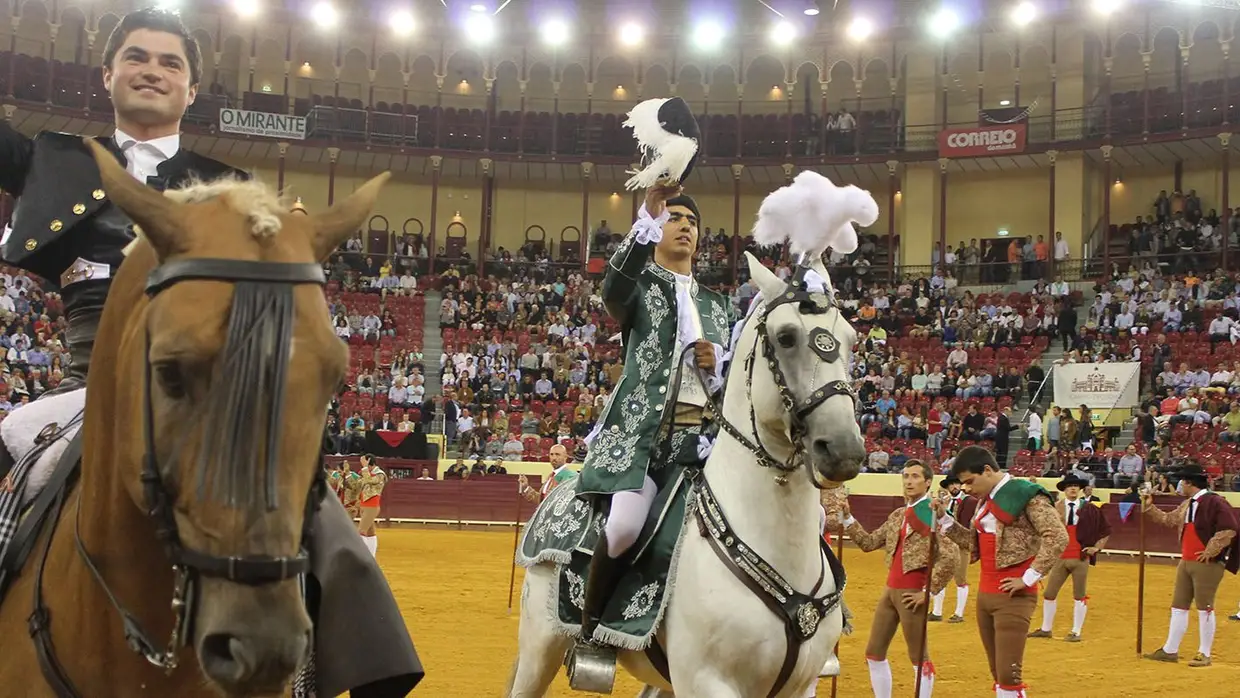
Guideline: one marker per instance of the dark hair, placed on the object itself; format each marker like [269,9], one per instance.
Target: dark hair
[973,459]
[926,471]
[158,20]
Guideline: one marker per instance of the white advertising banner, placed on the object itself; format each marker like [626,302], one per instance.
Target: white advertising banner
[1098,385]
[258,123]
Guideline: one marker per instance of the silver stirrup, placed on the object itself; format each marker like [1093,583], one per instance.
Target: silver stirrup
[591,667]
[831,667]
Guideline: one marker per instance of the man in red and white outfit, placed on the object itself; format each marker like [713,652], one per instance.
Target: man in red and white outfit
[1088,532]
[1208,547]
[961,507]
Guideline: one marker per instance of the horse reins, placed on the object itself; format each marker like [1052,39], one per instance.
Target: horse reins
[188,565]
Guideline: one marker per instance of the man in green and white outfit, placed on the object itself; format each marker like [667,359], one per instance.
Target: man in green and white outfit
[674,333]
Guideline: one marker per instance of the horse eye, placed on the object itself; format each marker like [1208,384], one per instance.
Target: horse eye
[171,380]
[786,338]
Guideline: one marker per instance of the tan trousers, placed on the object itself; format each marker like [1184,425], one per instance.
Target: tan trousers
[1196,582]
[890,614]
[1078,569]
[962,569]
[1003,622]
[366,523]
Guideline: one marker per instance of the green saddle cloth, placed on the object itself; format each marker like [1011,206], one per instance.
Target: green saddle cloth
[565,529]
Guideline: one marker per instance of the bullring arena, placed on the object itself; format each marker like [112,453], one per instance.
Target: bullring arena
[457,609]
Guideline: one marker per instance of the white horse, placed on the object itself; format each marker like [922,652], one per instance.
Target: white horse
[721,640]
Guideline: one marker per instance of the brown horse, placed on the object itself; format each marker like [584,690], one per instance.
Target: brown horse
[213,366]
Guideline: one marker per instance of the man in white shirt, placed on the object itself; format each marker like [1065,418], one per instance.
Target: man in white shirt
[1061,247]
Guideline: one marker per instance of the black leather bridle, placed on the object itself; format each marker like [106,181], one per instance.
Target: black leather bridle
[189,565]
[825,345]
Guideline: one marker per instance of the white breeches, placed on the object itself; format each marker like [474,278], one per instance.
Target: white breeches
[628,515]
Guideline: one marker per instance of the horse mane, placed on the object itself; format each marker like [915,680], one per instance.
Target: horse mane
[251,198]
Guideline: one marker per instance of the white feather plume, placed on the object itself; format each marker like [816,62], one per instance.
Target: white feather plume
[673,152]
[812,214]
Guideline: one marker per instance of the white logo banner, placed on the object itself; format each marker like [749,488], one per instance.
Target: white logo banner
[1098,385]
[261,123]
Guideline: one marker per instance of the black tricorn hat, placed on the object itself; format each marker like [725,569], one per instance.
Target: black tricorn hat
[668,137]
[1070,480]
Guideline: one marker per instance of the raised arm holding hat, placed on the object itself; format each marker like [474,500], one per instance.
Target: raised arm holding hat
[1088,532]
[1208,546]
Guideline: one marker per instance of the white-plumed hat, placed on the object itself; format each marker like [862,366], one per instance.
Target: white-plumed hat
[667,136]
[812,214]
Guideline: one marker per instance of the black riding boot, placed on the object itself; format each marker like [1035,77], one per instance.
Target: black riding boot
[602,579]
[83,325]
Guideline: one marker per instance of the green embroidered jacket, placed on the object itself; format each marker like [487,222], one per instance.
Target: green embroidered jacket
[641,296]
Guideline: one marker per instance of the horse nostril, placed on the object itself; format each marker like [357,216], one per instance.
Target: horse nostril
[225,658]
[822,448]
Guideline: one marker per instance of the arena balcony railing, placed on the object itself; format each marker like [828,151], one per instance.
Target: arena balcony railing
[759,129]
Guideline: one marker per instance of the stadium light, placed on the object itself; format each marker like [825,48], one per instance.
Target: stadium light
[478,7]
[245,8]
[555,32]
[402,22]
[860,29]
[811,8]
[479,28]
[1024,13]
[783,33]
[708,35]
[1106,7]
[632,34]
[325,15]
[944,22]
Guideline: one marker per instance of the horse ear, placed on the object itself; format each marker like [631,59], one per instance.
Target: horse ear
[336,224]
[158,216]
[764,278]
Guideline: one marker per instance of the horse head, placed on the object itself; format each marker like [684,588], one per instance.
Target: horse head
[224,364]
[795,346]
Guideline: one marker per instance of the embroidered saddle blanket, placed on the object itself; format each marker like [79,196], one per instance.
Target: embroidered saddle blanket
[565,529]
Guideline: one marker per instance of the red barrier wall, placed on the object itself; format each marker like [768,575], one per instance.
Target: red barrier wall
[495,499]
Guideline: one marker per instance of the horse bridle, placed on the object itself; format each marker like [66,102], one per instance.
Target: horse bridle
[825,345]
[190,565]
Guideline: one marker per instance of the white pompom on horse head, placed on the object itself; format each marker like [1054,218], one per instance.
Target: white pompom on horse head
[812,214]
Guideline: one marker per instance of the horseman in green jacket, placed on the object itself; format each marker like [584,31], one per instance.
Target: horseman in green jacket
[674,333]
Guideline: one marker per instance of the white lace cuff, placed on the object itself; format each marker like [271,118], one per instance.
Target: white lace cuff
[647,229]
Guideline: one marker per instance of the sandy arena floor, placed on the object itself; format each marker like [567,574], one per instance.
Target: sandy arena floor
[453,588]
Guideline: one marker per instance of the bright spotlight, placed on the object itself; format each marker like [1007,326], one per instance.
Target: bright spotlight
[860,29]
[1024,13]
[478,7]
[708,35]
[1106,7]
[811,8]
[555,32]
[783,33]
[245,8]
[944,22]
[402,23]
[632,34]
[169,6]
[324,15]
[479,28]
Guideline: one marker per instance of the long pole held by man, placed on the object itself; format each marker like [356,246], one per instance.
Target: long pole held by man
[925,622]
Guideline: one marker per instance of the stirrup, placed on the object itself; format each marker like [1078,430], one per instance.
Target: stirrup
[591,667]
[831,667]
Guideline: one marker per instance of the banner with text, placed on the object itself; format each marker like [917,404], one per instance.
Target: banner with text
[261,123]
[1097,385]
[1005,139]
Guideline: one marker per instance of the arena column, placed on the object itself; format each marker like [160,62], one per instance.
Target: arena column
[737,169]
[1106,209]
[1049,272]
[893,185]
[280,166]
[587,169]
[943,163]
[333,155]
[1224,140]
[484,217]
[436,165]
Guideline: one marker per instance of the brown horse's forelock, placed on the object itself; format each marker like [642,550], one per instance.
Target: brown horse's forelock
[240,435]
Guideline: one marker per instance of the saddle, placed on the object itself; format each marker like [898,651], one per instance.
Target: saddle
[35,437]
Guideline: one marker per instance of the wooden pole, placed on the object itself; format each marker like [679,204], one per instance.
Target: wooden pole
[839,554]
[1140,577]
[925,619]
[516,540]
